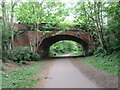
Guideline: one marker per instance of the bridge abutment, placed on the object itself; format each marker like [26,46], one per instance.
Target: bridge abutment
[85,50]
[86,53]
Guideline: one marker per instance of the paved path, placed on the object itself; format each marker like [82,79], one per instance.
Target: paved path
[64,75]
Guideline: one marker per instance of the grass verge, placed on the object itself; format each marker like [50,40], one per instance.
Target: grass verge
[74,53]
[77,54]
[110,65]
[21,77]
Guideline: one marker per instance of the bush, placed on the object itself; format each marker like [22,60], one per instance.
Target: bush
[5,55]
[34,56]
[21,54]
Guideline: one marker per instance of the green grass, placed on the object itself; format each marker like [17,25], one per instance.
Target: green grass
[77,54]
[108,63]
[20,78]
[60,54]
[74,53]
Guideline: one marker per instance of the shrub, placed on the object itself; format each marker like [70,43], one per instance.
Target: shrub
[34,56]
[5,56]
[21,54]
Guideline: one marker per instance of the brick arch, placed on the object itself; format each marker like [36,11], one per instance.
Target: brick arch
[43,48]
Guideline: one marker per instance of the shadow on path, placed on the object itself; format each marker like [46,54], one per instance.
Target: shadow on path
[61,57]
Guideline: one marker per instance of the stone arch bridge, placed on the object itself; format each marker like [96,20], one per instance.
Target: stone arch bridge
[46,40]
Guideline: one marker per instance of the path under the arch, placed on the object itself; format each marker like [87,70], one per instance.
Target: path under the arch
[73,73]
[64,75]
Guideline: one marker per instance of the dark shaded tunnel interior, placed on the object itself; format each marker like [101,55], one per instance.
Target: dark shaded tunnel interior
[43,48]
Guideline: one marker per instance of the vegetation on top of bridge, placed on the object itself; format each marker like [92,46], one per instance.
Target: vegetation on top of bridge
[48,27]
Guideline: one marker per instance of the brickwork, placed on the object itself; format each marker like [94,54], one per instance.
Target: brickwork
[27,39]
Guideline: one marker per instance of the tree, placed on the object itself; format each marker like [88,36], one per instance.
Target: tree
[93,15]
[13,4]
[35,13]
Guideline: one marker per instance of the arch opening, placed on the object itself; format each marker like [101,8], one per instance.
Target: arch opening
[66,48]
[44,47]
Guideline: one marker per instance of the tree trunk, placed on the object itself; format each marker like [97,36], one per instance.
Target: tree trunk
[99,27]
[3,14]
[11,24]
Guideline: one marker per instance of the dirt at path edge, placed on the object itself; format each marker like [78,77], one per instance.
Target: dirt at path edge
[43,74]
[101,78]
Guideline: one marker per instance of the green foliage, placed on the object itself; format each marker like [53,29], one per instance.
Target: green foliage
[76,54]
[107,63]
[51,27]
[5,56]
[102,20]
[6,38]
[112,39]
[37,12]
[35,56]
[20,78]
[99,50]
[63,47]
[21,54]
[67,25]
